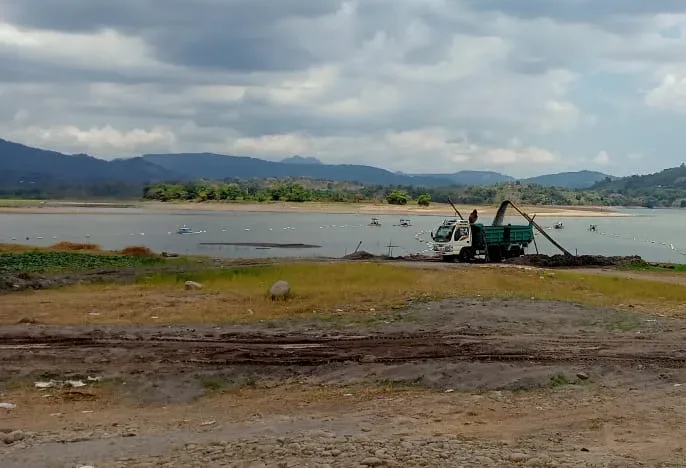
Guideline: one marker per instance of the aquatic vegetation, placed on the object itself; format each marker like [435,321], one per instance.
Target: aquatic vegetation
[55,261]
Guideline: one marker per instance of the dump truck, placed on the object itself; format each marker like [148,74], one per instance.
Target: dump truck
[460,239]
[457,239]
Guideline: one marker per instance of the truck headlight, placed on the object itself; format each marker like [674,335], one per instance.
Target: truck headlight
[448,248]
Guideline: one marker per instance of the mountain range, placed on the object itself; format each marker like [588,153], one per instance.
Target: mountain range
[20,164]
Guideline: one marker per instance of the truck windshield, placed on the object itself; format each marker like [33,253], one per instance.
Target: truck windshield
[444,234]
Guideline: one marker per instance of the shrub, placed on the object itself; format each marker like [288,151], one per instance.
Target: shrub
[74,246]
[137,250]
[397,197]
[424,200]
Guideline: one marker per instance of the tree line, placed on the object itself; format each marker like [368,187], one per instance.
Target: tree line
[529,194]
[629,193]
[281,191]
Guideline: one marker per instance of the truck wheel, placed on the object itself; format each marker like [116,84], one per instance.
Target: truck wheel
[516,251]
[465,255]
[494,254]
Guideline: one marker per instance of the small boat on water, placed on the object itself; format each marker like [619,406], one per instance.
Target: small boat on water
[405,223]
[184,230]
[559,225]
[375,222]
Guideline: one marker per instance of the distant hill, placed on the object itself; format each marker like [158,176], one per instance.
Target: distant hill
[24,164]
[480,178]
[570,180]
[673,178]
[21,164]
[217,166]
[301,160]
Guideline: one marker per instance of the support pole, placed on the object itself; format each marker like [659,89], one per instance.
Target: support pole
[455,208]
[504,204]
[535,244]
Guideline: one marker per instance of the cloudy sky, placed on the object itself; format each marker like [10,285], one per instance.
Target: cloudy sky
[520,86]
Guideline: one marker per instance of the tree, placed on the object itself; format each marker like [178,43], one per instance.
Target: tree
[397,197]
[231,192]
[424,200]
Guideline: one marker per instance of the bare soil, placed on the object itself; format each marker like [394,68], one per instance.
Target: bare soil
[371,209]
[532,260]
[11,282]
[451,383]
[566,261]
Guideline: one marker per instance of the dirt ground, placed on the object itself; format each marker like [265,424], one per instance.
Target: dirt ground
[455,383]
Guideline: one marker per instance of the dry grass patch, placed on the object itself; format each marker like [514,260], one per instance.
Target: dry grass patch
[649,295]
[137,251]
[75,246]
[63,246]
[17,248]
[351,291]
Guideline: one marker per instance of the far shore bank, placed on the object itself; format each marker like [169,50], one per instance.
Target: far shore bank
[436,209]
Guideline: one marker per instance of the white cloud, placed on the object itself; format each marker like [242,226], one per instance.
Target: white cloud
[107,49]
[272,145]
[529,155]
[107,141]
[300,88]
[670,94]
[436,85]
[426,150]
[602,159]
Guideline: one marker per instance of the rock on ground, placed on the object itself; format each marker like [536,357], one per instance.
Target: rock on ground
[192,285]
[12,437]
[280,290]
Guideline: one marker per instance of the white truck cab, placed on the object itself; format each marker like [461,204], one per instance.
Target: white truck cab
[451,238]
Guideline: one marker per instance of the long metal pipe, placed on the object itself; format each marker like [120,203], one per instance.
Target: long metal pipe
[498,220]
[455,208]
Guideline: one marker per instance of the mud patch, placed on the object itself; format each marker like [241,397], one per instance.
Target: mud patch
[13,282]
[24,281]
[268,245]
[364,255]
[452,344]
[564,261]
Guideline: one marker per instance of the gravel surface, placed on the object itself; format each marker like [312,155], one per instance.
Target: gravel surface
[331,450]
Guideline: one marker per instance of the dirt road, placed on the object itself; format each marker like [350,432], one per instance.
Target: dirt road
[136,351]
[469,383]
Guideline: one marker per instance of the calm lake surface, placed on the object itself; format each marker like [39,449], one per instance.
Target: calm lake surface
[655,235]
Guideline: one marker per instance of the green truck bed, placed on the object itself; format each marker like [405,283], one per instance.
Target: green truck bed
[507,234]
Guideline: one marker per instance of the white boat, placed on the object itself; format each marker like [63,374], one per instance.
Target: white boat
[559,225]
[184,230]
[375,222]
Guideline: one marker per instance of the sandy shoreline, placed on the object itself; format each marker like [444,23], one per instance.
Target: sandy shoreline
[323,208]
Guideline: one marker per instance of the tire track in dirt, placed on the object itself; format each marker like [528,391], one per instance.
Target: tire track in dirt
[265,350]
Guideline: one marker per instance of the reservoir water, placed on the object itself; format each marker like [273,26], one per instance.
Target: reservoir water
[655,235]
